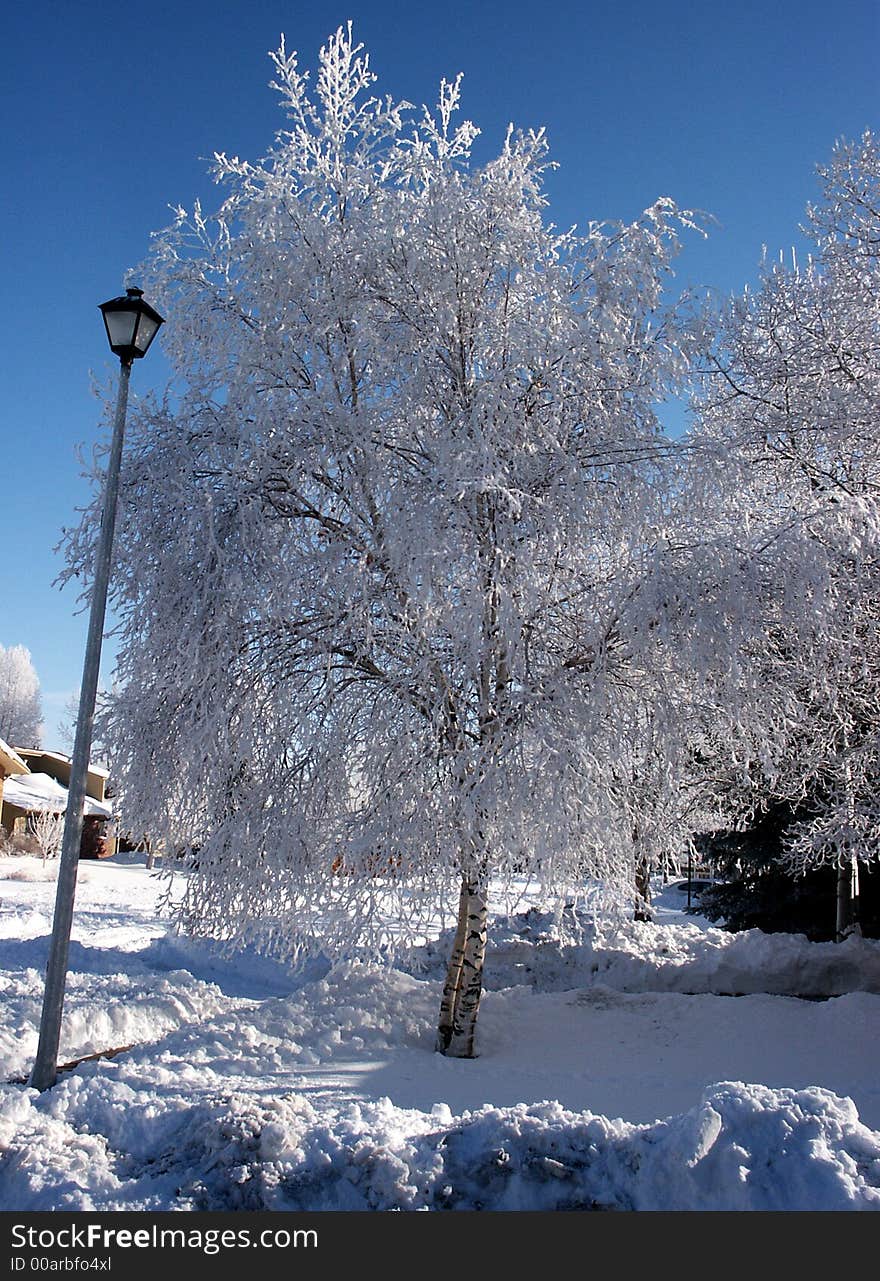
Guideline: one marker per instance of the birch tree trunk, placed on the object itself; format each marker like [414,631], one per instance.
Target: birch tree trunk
[452,985]
[460,1004]
[848,870]
[847,900]
[463,988]
[643,910]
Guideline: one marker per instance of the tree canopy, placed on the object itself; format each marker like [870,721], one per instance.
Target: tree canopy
[793,411]
[20,705]
[414,590]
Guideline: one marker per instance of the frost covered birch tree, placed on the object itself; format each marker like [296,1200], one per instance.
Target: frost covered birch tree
[47,830]
[20,707]
[383,550]
[795,416]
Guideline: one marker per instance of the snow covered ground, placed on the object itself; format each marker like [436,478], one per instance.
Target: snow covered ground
[667,1066]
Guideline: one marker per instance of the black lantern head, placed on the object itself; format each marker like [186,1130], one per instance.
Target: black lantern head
[131,325]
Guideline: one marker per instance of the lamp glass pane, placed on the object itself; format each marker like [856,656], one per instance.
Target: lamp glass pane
[120,327]
[145,333]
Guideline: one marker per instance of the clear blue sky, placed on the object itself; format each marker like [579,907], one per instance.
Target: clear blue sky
[110,113]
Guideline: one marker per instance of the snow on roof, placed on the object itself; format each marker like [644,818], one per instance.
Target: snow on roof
[9,756]
[40,792]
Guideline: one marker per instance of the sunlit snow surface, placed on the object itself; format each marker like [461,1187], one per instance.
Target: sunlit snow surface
[626,1066]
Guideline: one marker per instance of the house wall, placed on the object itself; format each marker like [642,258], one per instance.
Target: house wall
[13,818]
[58,767]
[99,836]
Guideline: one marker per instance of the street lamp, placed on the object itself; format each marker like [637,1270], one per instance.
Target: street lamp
[131,326]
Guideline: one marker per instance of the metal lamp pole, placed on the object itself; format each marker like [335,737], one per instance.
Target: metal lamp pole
[131,326]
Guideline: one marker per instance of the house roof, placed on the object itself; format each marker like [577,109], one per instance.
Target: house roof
[34,752]
[10,761]
[40,793]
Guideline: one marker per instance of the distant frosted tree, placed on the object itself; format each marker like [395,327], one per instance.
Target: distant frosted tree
[48,831]
[794,414]
[20,707]
[66,728]
[384,551]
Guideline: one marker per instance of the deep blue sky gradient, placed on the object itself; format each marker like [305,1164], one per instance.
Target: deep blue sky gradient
[110,115]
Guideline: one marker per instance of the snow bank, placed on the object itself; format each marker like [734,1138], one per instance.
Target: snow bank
[249,1086]
[274,1104]
[554,955]
[741,1148]
[101,1011]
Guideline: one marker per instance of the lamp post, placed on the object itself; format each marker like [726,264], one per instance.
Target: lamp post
[131,326]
